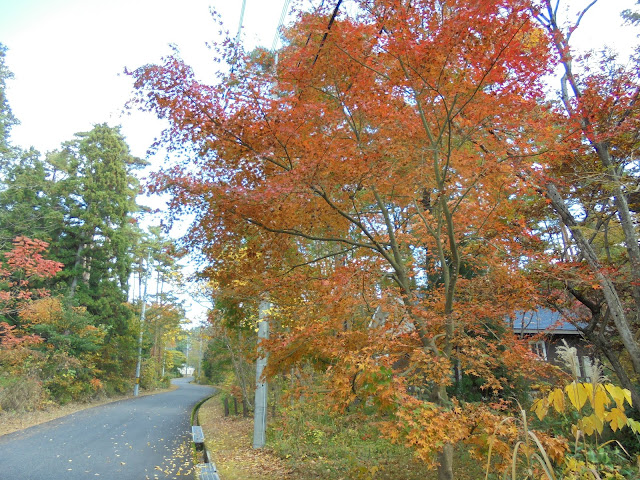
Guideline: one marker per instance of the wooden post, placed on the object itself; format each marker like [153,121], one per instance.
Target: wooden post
[226,406]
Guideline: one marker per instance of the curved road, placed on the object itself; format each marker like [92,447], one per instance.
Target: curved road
[141,438]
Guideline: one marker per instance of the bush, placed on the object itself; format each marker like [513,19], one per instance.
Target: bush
[21,394]
[332,445]
[149,378]
[71,385]
[114,385]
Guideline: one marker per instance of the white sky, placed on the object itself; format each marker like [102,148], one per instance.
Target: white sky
[68,56]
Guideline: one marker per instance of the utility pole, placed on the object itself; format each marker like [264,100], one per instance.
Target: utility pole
[201,353]
[260,404]
[143,310]
[186,370]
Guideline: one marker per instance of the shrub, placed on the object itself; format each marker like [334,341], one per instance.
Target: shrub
[21,394]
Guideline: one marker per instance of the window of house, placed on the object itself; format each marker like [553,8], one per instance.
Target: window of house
[539,348]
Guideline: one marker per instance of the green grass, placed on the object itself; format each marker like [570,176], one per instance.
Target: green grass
[349,446]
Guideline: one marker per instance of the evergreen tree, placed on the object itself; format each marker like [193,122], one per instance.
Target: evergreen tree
[98,190]
[29,205]
[7,120]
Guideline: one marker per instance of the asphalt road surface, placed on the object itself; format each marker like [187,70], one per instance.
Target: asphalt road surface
[142,438]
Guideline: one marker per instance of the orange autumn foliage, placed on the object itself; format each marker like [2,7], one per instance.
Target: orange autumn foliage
[23,265]
[368,185]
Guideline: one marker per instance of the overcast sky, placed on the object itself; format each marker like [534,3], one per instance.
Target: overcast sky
[68,56]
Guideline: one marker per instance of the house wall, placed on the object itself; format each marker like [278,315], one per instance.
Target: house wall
[584,353]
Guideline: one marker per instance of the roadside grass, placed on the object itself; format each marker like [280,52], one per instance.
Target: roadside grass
[306,444]
[229,442]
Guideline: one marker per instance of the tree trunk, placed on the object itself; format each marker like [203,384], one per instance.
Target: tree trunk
[621,373]
[616,308]
[445,458]
[76,266]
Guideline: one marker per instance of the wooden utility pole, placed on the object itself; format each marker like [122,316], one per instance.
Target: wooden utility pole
[260,404]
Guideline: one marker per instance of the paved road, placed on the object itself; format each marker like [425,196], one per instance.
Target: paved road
[138,439]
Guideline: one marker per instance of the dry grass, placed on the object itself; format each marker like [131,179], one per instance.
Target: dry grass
[229,442]
[14,421]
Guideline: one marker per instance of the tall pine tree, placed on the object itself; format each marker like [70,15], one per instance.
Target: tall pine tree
[97,177]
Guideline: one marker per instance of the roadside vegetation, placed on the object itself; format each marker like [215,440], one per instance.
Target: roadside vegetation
[74,266]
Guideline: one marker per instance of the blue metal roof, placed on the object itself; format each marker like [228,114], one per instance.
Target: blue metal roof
[536,321]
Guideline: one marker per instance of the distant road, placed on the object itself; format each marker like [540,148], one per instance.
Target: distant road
[138,439]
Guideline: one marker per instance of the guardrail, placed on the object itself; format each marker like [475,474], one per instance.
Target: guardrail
[206,470]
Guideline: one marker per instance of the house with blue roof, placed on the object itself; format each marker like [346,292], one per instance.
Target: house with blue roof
[548,330]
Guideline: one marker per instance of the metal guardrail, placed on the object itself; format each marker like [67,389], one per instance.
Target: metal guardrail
[198,436]
[207,470]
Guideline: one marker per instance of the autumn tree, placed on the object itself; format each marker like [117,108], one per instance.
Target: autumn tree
[21,270]
[591,185]
[364,172]
[21,273]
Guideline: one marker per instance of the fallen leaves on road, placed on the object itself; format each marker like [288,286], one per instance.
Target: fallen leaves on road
[177,463]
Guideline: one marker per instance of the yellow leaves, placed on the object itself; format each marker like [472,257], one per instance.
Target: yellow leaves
[633,425]
[577,394]
[533,38]
[589,389]
[556,398]
[540,407]
[600,397]
[600,400]
[619,394]
[616,418]
[591,424]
